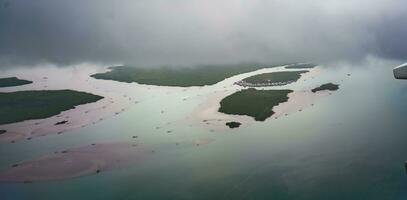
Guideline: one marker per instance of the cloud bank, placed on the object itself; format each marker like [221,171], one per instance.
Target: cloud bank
[189,32]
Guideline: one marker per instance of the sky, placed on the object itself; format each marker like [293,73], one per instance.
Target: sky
[196,32]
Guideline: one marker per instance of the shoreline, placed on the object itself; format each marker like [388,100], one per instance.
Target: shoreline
[119,97]
[80,116]
[206,113]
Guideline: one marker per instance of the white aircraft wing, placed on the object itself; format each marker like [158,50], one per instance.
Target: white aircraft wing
[400,72]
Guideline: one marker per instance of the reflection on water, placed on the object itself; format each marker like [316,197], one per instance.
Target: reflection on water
[350,145]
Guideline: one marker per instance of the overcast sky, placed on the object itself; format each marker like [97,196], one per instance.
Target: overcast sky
[187,32]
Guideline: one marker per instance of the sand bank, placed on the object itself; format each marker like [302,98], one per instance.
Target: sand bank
[75,162]
[206,114]
[117,99]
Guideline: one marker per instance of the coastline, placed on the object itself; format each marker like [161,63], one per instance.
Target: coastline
[119,97]
[116,101]
[207,115]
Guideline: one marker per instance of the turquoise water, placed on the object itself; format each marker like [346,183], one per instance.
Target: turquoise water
[350,145]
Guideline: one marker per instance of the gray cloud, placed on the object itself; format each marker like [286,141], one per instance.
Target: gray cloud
[156,32]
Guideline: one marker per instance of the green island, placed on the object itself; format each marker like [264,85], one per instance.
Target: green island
[13,81]
[271,79]
[2,131]
[233,124]
[61,122]
[26,105]
[327,86]
[254,103]
[177,76]
[301,66]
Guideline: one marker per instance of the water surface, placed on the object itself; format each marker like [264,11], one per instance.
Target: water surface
[350,145]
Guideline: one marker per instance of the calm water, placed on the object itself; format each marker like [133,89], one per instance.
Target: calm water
[350,145]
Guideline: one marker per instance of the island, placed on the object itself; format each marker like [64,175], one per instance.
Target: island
[254,103]
[327,86]
[13,81]
[177,76]
[301,66]
[233,124]
[61,122]
[271,79]
[26,105]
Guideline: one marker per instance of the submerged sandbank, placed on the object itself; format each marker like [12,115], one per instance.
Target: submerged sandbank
[75,162]
[117,100]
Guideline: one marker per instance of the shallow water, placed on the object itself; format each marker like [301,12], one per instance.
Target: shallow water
[350,145]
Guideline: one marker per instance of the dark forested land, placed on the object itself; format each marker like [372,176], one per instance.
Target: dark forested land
[272,78]
[301,66]
[254,103]
[13,81]
[25,105]
[327,86]
[177,76]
